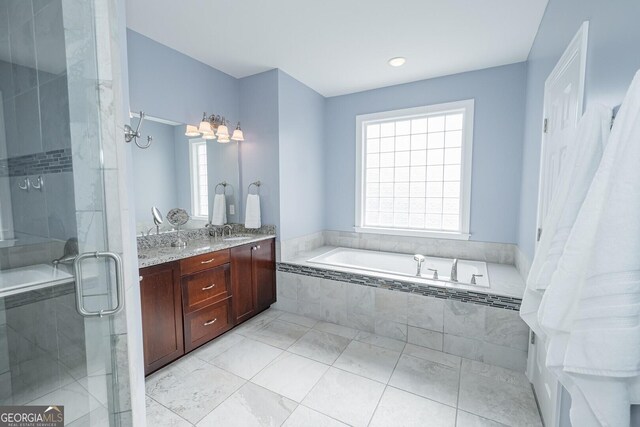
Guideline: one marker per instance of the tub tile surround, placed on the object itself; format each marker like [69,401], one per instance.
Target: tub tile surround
[482,332]
[501,253]
[363,379]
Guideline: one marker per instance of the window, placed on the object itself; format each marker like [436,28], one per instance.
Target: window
[414,171]
[199,182]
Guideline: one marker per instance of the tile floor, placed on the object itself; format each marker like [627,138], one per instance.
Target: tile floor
[282,369]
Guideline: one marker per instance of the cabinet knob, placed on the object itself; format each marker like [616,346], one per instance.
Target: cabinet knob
[210,322]
[140,279]
[211,286]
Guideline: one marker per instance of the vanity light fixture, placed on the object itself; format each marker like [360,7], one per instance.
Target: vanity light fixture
[215,126]
[398,61]
[238,135]
[192,131]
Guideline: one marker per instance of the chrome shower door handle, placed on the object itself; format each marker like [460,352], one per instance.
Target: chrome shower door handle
[77,267]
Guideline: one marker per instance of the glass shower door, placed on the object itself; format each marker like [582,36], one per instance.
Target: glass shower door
[62,334]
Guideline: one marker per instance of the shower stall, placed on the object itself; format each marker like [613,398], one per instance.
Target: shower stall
[63,333]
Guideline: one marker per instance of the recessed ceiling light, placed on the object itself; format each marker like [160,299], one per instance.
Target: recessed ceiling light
[398,61]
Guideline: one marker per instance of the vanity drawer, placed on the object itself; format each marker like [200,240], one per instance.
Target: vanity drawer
[204,262]
[206,287]
[207,323]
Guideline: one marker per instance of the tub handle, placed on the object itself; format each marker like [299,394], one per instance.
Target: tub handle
[435,273]
[473,278]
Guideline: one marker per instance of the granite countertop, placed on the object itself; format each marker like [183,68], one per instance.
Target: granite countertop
[150,256]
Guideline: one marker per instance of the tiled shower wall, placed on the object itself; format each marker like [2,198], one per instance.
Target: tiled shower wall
[492,335]
[34,128]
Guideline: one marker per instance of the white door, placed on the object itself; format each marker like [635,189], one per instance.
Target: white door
[563,99]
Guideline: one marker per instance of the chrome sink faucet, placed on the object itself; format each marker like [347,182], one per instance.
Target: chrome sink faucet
[420,259]
[227,227]
[454,271]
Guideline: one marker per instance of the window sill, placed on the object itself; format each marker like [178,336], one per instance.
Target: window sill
[452,235]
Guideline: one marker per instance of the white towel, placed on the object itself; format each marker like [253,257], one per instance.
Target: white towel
[252,212]
[579,167]
[219,213]
[591,309]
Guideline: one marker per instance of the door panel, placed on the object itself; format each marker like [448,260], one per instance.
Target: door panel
[563,98]
[244,297]
[161,316]
[264,273]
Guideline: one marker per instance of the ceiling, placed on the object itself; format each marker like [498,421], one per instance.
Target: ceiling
[342,46]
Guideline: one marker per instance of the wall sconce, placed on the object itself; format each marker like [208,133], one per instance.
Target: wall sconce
[215,126]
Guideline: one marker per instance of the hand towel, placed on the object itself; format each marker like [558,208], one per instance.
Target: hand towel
[579,167]
[591,308]
[252,212]
[219,213]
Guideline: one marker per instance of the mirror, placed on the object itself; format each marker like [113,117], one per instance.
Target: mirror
[177,171]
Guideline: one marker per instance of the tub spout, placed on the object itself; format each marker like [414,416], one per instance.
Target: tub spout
[420,259]
[454,271]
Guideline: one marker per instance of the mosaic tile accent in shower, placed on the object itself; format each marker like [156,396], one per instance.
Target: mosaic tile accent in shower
[480,298]
[54,161]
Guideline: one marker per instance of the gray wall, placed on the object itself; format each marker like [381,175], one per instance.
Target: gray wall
[260,150]
[497,146]
[612,60]
[302,159]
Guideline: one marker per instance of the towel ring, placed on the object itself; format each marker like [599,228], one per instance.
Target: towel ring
[222,184]
[257,185]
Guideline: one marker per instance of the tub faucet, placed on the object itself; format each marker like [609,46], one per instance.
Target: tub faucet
[420,259]
[454,271]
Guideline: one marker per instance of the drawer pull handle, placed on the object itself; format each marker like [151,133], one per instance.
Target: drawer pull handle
[210,322]
[208,261]
[206,288]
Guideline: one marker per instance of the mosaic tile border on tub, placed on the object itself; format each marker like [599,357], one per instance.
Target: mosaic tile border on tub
[480,298]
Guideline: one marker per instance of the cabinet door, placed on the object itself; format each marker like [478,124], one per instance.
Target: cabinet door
[161,302]
[264,273]
[244,296]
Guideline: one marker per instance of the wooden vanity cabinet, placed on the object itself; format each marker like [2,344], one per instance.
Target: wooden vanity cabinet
[253,278]
[162,330]
[189,302]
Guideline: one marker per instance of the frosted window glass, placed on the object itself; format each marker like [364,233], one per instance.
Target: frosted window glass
[387,145]
[435,140]
[403,143]
[404,127]
[435,157]
[387,129]
[413,172]
[373,145]
[403,158]
[454,122]
[419,142]
[419,126]
[401,189]
[417,189]
[373,160]
[386,160]
[436,124]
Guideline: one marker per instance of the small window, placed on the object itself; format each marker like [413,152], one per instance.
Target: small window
[414,171]
[199,179]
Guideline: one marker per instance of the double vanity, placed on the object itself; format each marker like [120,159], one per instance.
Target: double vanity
[192,295]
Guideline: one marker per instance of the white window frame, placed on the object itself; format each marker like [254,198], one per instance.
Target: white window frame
[193,172]
[467,150]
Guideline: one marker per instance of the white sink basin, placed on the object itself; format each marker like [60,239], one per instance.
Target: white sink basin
[23,279]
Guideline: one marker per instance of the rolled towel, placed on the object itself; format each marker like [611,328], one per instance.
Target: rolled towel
[219,214]
[252,212]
